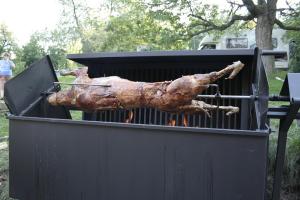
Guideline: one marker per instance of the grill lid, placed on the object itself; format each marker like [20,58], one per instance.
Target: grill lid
[24,89]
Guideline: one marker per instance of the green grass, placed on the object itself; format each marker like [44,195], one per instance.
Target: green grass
[274,84]
[3,125]
[4,174]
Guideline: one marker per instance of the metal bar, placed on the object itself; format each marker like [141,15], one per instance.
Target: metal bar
[140,116]
[160,118]
[218,110]
[194,120]
[229,91]
[280,115]
[211,96]
[250,97]
[223,104]
[31,106]
[279,109]
[284,126]
[236,91]
[277,54]
[211,118]
[150,116]
[145,116]
[278,98]
[134,115]
[155,116]
[63,83]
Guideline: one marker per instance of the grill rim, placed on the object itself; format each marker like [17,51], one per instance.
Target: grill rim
[200,130]
[180,53]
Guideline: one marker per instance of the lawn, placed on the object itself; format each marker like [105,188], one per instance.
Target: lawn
[3,125]
[292,168]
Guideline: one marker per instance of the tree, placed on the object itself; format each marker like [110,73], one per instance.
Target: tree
[206,18]
[32,51]
[76,20]
[55,44]
[7,42]
[137,28]
[294,38]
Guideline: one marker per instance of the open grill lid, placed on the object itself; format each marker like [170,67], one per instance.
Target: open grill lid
[27,88]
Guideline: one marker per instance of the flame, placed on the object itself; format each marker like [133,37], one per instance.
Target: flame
[172,122]
[130,117]
[185,121]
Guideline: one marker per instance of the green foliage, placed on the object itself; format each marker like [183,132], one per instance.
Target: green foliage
[32,51]
[274,84]
[294,63]
[7,42]
[58,57]
[294,37]
[140,27]
[195,18]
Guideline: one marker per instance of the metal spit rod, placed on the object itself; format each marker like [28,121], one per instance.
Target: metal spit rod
[207,96]
[218,95]
[248,97]
[63,83]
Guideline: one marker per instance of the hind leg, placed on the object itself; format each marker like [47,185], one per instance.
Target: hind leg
[202,107]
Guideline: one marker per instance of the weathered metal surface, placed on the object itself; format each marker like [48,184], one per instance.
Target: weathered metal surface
[62,159]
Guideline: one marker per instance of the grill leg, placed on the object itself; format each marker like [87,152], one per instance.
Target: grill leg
[281,145]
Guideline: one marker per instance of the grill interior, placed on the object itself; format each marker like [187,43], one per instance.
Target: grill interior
[169,69]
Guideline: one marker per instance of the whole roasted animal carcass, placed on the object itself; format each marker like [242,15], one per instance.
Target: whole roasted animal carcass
[111,93]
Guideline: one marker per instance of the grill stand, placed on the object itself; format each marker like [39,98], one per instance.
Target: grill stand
[286,115]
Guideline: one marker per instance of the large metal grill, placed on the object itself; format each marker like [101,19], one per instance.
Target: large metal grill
[51,155]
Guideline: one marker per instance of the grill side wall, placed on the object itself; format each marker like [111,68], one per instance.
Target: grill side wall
[70,161]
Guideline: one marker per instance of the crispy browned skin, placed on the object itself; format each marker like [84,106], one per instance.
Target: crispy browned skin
[170,96]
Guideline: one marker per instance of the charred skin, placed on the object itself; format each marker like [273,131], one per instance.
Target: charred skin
[170,96]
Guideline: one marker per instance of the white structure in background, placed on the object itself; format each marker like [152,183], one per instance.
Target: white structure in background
[246,40]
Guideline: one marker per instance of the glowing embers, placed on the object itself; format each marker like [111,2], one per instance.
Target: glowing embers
[172,122]
[130,117]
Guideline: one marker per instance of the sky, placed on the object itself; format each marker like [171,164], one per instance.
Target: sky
[24,17]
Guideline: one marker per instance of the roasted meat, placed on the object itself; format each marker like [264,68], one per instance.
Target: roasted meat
[111,93]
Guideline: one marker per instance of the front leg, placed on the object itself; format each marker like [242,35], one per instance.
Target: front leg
[202,107]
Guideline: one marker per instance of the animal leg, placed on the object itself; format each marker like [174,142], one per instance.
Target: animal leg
[202,107]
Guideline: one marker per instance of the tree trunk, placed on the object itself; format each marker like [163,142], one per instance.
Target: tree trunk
[263,32]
